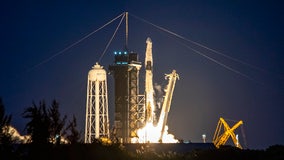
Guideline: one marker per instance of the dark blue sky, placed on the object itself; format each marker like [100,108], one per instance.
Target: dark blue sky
[251,32]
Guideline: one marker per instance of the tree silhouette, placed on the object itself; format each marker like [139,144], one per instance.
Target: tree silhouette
[47,125]
[74,135]
[57,123]
[6,147]
[5,120]
[38,126]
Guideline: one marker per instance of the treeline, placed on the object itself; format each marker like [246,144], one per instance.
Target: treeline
[45,125]
[53,137]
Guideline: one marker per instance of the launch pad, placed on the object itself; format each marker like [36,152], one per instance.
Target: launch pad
[135,119]
[167,147]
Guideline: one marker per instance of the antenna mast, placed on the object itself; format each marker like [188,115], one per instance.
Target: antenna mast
[126,31]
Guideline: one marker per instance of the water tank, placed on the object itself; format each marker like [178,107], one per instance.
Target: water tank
[97,119]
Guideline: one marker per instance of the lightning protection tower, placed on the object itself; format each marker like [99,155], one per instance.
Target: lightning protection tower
[97,120]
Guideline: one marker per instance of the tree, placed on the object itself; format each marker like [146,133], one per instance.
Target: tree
[74,135]
[5,120]
[6,147]
[38,126]
[47,125]
[57,123]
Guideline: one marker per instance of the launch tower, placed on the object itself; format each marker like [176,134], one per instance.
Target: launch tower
[128,111]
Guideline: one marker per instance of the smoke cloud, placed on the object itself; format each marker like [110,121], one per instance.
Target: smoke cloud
[159,95]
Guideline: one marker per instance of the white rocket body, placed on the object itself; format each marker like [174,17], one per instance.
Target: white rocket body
[149,90]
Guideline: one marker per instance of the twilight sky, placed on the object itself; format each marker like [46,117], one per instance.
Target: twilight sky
[249,86]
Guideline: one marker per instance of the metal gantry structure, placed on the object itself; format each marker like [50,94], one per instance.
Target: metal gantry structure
[129,109]
[97,120]
[220,138]
[125,71]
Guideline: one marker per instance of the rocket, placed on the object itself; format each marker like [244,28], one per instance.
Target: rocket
[149,90]
[148,56]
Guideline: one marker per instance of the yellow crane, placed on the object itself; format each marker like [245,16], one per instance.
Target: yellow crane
[220,139]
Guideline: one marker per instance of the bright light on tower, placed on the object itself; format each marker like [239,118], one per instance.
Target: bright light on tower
[237,137]
[204,138]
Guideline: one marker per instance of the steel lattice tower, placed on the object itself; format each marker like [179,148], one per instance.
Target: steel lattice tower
[128,117]
[97,120]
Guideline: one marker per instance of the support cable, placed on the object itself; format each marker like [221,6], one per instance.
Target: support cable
[111,38]
[219,63]
[223,65]
[72,45]
[200,45]
[202,54]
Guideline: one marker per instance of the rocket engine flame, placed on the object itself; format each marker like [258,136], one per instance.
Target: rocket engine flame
[151,134]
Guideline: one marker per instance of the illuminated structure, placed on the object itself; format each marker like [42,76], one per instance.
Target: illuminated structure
[129,113]
[220,139]
[153,131]
[167,102]
[149,90]
[97,120]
